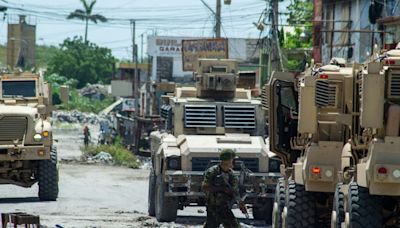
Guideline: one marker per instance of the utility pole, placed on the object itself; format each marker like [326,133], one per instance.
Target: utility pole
[276,55]
[141,48]
[218,20]
[136,80]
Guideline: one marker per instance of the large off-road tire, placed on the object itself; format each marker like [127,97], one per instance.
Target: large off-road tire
[152,194]
[338,207]
[279,204]
[166,207]
[365,210]
[48,177]
[301,207]
[264,211]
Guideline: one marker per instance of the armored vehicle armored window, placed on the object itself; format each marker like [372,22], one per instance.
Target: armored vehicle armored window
[19,89]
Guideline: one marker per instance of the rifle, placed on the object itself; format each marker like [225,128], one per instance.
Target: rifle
[237,199]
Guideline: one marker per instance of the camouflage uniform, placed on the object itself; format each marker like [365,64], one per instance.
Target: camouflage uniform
[219,203]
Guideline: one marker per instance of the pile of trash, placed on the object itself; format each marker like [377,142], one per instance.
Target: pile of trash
[95,91]
[102,157]
[76,117]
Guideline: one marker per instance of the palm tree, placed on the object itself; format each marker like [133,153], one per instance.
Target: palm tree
[86,15]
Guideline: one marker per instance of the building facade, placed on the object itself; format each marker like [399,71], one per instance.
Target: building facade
[166,53]
[350,29]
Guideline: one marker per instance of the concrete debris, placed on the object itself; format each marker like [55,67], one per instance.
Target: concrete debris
[95,91]
[102,157]
[76,117]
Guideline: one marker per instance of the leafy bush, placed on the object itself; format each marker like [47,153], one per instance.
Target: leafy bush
[120,154]
[85,104]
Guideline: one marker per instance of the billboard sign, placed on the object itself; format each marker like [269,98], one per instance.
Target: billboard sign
[121,88]
[202,48]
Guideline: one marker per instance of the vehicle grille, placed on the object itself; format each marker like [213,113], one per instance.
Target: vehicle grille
[166,114]
[394,85]
[200,116]
[240,117]
[12,128]
[264,98]
[325,95]
[202,163]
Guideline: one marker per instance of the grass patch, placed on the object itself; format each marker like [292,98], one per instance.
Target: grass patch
[120,154]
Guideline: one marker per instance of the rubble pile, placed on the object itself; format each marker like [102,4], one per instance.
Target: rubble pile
[102,157]
[95,91]
[76,117]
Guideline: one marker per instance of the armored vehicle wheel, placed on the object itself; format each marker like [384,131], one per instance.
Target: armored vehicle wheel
[301,210]
[166,207]
[151,196]
[48,177]
[365,210]
[264,211]
[338,207]
[279,204]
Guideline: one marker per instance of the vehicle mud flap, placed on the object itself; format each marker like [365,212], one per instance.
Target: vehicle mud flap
[152,193]
[301,207]
[166,207]
[264,211]
[279,204]
[48,177]
[365,210]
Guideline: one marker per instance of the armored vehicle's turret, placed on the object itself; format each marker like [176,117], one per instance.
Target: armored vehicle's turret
[216,78]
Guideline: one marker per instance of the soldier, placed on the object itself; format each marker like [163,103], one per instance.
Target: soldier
[220,187]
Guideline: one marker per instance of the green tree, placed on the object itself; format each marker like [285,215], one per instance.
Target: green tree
[87,15]
[300,17]
[84,61]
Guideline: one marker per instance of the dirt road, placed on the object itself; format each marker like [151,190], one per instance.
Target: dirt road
[94,195]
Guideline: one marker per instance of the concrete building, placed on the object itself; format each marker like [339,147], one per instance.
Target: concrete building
[350,29]
[21,41]
[166,52]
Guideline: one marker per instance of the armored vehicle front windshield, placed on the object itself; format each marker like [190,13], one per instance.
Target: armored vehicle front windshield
[19,88]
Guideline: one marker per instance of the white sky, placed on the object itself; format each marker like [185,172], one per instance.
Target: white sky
[164,17]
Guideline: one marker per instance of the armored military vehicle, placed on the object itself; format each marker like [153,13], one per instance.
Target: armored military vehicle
[309,117]
[370,197]
[27,154]
[199,122]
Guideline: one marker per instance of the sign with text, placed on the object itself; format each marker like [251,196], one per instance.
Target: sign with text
[202,48]
[128,104]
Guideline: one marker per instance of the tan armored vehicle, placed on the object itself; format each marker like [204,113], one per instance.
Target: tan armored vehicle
[27,154]
[370,196]
[199,122]
[307,124]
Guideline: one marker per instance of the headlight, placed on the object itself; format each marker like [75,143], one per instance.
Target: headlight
[396,173]
[37,137]
[174,163]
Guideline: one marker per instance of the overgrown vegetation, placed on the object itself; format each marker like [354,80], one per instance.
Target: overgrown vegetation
[300,12]
[120,154]
[85,104]
[78,102]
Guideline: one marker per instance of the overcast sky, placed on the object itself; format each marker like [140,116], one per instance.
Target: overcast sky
[170,18]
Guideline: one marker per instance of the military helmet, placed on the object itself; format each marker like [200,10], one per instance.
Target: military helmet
[227,154]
